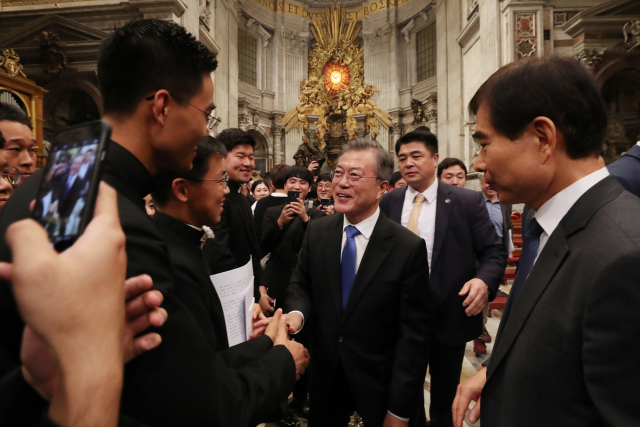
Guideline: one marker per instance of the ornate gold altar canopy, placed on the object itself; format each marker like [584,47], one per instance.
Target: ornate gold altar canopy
[336,79]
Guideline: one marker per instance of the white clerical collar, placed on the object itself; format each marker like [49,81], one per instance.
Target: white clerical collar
[429,194]
[366,226]
[551,213]
[193,226]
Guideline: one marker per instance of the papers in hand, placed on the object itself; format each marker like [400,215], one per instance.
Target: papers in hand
[235,290]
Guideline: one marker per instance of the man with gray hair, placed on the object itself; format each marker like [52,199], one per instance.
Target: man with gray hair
[365,301]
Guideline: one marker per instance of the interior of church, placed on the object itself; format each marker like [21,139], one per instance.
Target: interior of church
[304,76]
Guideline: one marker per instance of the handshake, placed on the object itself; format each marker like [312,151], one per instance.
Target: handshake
[277,328]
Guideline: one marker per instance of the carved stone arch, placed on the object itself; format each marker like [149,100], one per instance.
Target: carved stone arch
[418,126]
[60,87]
[70,102]
[263,150]
[615,66]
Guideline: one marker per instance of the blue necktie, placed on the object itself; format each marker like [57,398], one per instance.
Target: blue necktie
[530,246]
[348,263]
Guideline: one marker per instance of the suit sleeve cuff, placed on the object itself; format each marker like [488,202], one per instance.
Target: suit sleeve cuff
[301,326]
[406,420]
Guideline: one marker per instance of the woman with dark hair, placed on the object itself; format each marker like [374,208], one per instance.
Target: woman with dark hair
[259,189]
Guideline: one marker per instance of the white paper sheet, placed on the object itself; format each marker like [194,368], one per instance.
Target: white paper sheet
[235,290]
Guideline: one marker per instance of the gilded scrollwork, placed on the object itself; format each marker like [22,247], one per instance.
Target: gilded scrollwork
[336,41]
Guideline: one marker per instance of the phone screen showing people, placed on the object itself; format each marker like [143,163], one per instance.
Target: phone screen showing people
[64,190]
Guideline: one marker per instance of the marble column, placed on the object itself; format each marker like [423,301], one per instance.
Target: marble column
[278,151]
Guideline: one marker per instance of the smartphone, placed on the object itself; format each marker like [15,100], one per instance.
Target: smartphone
[70,182]
[293,196]
[325,202]
[314,158]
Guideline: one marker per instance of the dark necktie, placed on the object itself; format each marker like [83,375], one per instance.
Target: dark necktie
[530,246]
[348,263]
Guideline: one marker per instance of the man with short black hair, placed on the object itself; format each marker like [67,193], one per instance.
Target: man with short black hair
[360,285]
[565,353]
[457,231]
[452,171]
[396,181]
[278,197]
[20,149]
[236,242]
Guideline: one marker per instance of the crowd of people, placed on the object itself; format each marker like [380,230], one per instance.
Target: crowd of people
[364,278]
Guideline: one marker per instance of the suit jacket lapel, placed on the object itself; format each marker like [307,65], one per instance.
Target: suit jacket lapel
[395,206]
[550,259]
[374,256]
[333,239]
[443,210]
[247,218]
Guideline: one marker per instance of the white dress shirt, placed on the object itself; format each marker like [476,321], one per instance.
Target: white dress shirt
[365,227]
[427,219]
[551,213]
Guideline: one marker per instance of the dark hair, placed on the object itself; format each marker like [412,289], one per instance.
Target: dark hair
[163,180]
[267,181]
[449,162]
[395,177]
[2,141]
[279,175]
[233,137]
[554,87]
[148,55]
[323,177]
[313,193]
[299,172]
[11,113]
[427,138]
[256,183]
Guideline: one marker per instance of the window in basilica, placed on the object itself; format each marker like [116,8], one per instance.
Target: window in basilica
[247,63]
[426,52]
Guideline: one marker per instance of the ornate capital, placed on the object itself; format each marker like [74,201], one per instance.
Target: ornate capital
[397,128]
[590,58]
[407,30]
[292,42]
[631,31]
[361,132]
[277,130]
[431,115]
[378,41]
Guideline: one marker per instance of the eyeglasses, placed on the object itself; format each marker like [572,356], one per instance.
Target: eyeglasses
[12,175]
[352,178]
[211,121]
[225,179]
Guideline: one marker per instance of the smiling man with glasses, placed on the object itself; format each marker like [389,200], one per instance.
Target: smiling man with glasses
[370,323]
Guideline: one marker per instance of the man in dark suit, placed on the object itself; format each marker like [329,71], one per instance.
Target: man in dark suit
[156,123]
[360,288]
[455,225]
[627,170]
[565,353]
[236,242]
[70,187]
[277,198]
[283,231]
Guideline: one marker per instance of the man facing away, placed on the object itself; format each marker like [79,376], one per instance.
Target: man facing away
[360,287]
[565,353]
[466,260]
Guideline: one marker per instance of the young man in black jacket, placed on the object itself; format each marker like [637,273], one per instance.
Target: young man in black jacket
[157,93]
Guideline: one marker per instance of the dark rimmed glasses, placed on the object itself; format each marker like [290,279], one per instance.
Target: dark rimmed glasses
[211,121]
[12,175]
[225,179]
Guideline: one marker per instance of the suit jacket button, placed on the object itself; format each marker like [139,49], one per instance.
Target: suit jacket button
[340,339]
